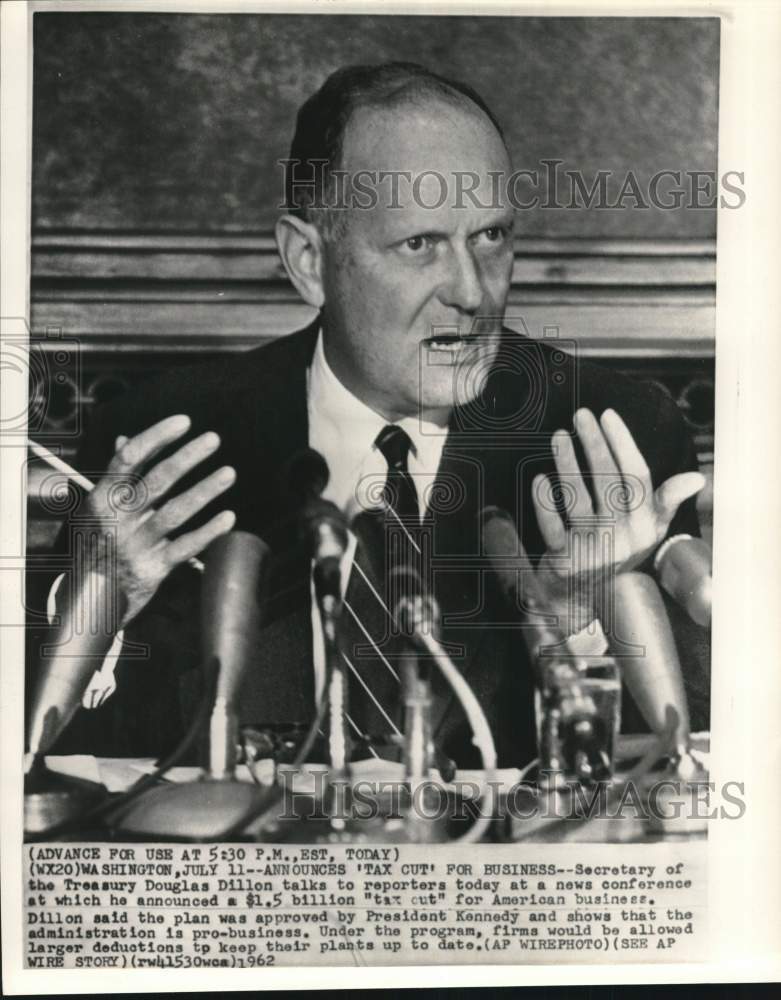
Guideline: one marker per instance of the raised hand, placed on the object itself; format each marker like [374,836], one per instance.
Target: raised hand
[626,510]
[127,506]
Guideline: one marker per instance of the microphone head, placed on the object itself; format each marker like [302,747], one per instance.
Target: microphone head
[323,530]
[500,543]
[500,536]
[231,598]
[509,561]
[307,475]
[369,527]
[412,606]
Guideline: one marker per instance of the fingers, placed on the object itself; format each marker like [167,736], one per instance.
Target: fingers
[180,509]
[673,491]
[120,442]
[551,525]
[144,446]
[165,474]
[628,456]
[601,460]
[577,497]
[598,454]
[193,542]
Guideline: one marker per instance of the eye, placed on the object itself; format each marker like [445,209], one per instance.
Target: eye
[416,245]
[494,234]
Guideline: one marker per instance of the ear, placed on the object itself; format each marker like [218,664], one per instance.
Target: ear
[301,249]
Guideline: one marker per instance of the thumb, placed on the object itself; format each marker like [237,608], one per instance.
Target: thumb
[673,491]
[120,442]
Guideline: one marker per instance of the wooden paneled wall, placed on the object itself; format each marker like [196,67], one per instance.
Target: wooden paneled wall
[623,298]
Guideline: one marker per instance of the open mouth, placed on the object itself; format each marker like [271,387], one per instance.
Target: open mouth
[449,342]
[446,348]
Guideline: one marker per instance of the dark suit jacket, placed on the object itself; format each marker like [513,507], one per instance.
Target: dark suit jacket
[256,401]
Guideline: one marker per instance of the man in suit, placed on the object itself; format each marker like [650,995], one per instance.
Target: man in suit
[409,377]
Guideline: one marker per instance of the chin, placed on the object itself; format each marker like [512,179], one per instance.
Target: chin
[461,384]
[445,395]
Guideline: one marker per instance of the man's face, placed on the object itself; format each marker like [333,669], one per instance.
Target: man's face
[401,279]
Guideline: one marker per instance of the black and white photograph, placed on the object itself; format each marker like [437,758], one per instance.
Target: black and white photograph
[372,484]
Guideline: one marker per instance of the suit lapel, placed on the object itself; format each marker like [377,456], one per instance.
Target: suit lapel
[459,493]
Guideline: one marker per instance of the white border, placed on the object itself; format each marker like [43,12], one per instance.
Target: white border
[744,860]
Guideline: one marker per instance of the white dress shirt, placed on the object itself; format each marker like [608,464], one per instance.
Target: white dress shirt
[343,430]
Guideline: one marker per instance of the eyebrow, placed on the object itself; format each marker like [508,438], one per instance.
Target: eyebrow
[506,222]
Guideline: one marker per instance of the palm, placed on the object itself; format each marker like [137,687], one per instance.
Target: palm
[612,532]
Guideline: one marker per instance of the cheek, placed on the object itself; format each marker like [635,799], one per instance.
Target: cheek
[349,293]
[372,294]
[391,303]
[497,275]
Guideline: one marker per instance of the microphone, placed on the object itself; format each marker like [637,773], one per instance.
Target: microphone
[416,611]
[88,623]
[323,529]
[503,547]
[515,575]
[573,733]
[413,608]
[89,620]
[233,585]
[653,674]
[684,566]
[231,598]
[307,475]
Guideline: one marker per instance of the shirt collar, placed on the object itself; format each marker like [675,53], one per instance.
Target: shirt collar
[343,428]
[343,411]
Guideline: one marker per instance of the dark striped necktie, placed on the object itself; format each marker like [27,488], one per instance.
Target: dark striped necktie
[371,645]
[401,497]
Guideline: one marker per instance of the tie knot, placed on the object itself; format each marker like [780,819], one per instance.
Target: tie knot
[394,443]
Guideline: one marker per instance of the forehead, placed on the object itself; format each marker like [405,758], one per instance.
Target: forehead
[426,134]
[432,141]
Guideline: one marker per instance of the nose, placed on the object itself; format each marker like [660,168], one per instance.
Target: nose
[463,287]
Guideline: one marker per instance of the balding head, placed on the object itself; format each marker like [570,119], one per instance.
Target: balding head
[350,96]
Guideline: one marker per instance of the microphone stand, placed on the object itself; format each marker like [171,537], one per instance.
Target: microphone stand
[417,613]
[419,756]
[577,710]
[577,700]
[337,796]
